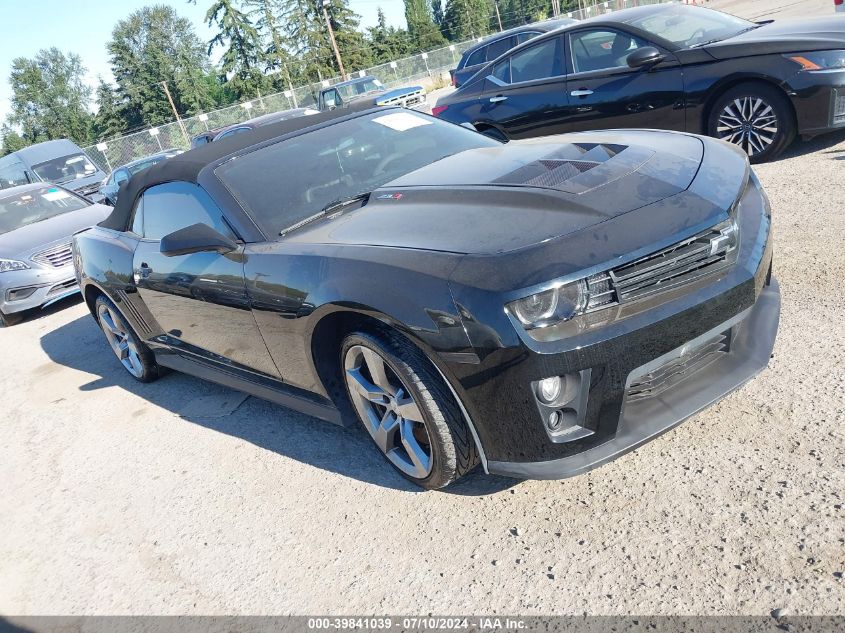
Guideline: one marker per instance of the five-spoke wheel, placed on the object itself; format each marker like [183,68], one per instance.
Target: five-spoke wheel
[406,408]
[135,357]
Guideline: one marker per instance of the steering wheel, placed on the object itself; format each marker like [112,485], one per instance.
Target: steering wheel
[384,162]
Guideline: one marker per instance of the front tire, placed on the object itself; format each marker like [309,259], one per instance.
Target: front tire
[407,409]
[755,117]
[136,358]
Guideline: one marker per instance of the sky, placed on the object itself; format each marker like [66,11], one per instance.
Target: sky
[84,27]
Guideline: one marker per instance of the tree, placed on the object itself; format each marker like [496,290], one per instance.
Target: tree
[464,19]
[388,42]
[243,58]
[424,33]
[49,97]
[152,45]
[267,17]
[437,12]
[110,120]
[12,141]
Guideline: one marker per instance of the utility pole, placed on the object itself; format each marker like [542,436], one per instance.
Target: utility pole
[556,7]
[334,43]
[499,17]
[178,118]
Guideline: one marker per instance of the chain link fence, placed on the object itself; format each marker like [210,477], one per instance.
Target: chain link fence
[429,69]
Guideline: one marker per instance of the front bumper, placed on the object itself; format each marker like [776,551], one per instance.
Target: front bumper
[46,286]
[819,101]
[644,420]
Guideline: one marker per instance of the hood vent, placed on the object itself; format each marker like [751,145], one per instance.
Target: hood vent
[562,165]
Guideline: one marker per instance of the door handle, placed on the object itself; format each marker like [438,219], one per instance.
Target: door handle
[581,93]
[497,99]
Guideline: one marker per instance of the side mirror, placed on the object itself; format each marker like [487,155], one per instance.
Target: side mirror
[468,126]
[197,238]
[645,57]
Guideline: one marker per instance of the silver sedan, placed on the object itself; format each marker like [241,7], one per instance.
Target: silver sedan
[36,263]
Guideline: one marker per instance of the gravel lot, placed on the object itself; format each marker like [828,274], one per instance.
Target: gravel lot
[181,497]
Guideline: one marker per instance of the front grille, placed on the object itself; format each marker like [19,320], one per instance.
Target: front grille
[55,256]
[679,264]
[62,288]
[677,369]
[403,100]
[838,108]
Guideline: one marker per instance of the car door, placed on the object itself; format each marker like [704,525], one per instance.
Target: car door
[604,92]
[199,300]
[525,94]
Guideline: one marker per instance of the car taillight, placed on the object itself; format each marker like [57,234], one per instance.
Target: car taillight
[453,80]
[437,110]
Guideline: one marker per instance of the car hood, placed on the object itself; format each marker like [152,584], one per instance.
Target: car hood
[19,243]
[784,36]
[505,198]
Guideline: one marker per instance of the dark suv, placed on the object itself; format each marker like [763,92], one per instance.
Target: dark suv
[492,47]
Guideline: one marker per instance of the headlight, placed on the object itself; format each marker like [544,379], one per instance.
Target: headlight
[551,306]
[819,60]
[11,264]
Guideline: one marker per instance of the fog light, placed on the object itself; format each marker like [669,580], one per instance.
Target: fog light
[549,389]
[20,293]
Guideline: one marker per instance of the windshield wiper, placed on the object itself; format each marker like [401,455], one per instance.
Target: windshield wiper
[326,210]
[720,39]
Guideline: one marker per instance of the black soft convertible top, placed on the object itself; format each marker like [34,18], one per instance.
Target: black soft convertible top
[186,167]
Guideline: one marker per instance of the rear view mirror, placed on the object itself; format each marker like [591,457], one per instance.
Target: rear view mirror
[197,238]
[645,57]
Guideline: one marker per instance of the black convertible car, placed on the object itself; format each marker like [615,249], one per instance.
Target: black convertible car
[669,66]
[540,306]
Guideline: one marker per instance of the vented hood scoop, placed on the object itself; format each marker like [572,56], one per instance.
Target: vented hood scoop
[579,167]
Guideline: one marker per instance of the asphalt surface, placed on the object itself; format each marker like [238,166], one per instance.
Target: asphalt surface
[181,497]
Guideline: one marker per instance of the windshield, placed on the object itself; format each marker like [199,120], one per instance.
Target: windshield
[350,91]
[65,169]
[289,181]
[691,26]
[134,169]
[34,205]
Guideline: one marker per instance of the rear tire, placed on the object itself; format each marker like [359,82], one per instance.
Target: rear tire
[756,117]
[406,408]
[136,358]
[8,320]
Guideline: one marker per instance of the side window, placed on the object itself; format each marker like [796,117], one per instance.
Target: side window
[478,57]
[502,71]
[138,218]
[537,62]
[175,205]
[232,132]
[500,47]
[331,98]
[601,49]
[524,37]
[13,174]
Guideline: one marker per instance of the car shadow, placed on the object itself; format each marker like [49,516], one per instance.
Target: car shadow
[820,144]
[347,451]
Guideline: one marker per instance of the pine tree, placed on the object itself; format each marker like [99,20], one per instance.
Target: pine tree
[110,120]
[243,57]
[388,43]
[464,19]
[11,140]
[421,27]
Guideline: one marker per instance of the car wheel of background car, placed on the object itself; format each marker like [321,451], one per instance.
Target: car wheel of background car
[8,320]
[756,117]
[493,133]
[407,410]
[135,357]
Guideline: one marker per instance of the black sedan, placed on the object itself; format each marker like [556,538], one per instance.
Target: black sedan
[476,56]
[672,67]
[540,307]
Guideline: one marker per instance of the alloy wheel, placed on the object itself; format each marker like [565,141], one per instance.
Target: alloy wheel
[389,412]
[120,341]
[749,122]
